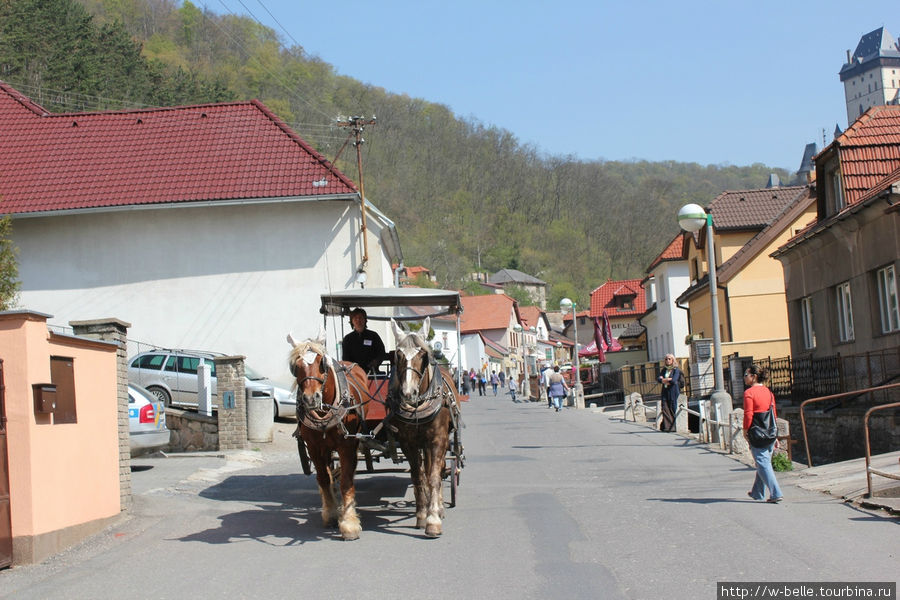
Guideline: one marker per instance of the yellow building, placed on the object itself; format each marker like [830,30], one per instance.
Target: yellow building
[749,225]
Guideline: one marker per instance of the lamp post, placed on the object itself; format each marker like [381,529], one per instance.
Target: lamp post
[565,305]
[692,218]
[526,385]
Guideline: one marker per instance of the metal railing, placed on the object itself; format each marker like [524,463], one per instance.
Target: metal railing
[836,397]
[869,469]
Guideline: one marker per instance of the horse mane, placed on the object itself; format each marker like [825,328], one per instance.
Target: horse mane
[415,339]
[303,347]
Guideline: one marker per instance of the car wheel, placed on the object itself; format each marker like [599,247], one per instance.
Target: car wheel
[161,395]
[276,410]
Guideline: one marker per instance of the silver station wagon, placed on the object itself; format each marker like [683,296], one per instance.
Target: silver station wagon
[171,376]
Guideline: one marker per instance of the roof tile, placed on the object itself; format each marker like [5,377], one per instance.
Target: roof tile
[210,152]
[604,298]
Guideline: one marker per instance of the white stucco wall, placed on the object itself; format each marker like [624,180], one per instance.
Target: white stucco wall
[669,324]
[233,279]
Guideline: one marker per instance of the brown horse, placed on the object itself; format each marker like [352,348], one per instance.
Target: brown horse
[330,411]
[424,408]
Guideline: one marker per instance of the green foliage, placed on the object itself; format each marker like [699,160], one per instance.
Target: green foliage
[473,288]
[84,59]
[423,281]
[9,269]
[519,294]
[781,462]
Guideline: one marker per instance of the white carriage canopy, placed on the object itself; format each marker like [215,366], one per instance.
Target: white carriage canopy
[402,304]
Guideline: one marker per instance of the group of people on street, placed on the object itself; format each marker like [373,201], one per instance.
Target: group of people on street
[478,380]
[365,348]
[758,399]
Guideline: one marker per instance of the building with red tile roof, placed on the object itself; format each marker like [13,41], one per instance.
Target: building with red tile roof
[665,322]
[753,224]
[212,226]
[840,271]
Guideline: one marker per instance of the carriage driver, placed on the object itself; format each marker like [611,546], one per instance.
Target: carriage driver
[362,346]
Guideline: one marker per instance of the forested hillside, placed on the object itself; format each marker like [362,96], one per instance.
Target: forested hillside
[465,195]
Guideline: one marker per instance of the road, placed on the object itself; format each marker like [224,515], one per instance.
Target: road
[563,505]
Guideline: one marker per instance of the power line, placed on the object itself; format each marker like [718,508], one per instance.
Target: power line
[249,56]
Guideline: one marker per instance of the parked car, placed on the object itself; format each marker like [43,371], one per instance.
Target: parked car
[171,376]
[146,421]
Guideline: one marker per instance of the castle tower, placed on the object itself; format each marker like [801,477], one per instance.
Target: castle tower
[871,76]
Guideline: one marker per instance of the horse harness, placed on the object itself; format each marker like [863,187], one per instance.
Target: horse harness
[427,406]
[338,411]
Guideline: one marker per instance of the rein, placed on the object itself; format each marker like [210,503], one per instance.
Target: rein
[425,407]
[337,411]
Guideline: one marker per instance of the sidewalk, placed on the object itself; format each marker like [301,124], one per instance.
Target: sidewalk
[845,480]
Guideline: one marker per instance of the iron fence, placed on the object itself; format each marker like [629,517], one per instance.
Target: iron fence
[797,379]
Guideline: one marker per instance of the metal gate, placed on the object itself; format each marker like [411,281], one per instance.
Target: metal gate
[5,520]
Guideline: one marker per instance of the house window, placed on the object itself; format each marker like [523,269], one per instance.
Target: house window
[844,312]
[837,191]
[806,319]
[887,299]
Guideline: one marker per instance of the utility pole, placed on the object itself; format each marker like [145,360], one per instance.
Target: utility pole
[357,125]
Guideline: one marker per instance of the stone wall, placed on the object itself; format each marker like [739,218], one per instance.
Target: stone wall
[232,416]
[839,434]
[191,432]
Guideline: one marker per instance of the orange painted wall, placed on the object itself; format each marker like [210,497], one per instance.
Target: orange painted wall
[60,474]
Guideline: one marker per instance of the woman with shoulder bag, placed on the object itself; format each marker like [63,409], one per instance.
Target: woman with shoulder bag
[758,402]
[558,388]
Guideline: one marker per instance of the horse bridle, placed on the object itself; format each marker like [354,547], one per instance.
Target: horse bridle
[425,407]
[336,411]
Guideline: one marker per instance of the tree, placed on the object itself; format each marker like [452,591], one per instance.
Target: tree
[9,269]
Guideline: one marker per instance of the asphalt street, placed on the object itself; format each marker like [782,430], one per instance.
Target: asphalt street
[564,505]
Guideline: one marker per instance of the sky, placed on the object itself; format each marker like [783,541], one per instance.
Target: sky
[718,82]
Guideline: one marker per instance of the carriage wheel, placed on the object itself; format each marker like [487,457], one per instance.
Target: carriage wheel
[454,480]
[370,464]
[304,457]
[458,449]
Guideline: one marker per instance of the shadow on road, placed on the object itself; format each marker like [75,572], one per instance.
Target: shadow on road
[288,509]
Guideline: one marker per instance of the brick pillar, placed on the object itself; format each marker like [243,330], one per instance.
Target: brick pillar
[114,330]
[232,419]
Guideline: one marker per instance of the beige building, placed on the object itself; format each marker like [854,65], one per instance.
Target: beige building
[748,226]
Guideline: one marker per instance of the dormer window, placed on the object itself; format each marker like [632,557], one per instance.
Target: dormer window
[836,191]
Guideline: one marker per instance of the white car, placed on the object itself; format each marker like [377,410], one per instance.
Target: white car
[171,376]
[146,421]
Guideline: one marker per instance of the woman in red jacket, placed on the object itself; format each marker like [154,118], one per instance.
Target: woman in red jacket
[757,399]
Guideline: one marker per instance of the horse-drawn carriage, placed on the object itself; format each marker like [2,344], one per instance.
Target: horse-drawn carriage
[406,410]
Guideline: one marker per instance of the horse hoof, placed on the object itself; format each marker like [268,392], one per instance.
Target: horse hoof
[350,535]
[420,523]
[433,531]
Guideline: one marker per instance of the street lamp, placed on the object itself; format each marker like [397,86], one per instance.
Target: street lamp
[692,218]
[526,385]
[566,305]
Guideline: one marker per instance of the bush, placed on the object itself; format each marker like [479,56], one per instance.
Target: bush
[781,462]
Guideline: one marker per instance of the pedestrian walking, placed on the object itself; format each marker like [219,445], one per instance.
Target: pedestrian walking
[759,399]
[473,380]
[545,384]
[672,380]
[512,389]
[495,381]
[502,377]
[482,384]
[558,388]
